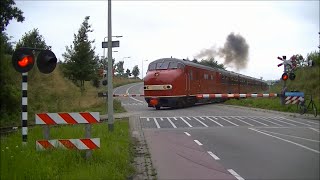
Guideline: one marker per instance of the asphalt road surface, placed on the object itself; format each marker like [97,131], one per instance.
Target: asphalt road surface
[216,141]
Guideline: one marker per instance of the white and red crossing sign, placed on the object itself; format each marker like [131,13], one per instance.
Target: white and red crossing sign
[68,118]
[80,144]
[212,96]
[294,97]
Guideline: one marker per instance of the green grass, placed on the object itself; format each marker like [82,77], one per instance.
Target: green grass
[112,161]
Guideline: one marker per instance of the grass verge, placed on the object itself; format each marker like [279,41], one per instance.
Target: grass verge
[112,161]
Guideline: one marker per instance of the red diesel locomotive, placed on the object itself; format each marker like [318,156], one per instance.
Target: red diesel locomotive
[172,82]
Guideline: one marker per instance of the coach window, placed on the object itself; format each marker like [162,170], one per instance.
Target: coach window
[190,74]
[206,76]
[173,65]
[180,66]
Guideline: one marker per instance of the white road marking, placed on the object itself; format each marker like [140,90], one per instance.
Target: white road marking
[229,121]
[290,136]
[313,122]
[314,129]
[213,155]
[200,122]
[237,118]
[187,133]
[175,118]
[294,121]
[266,119]
[127,92]
[214,117]
[157,124]
[257,121]
[284,122]
[173,125]
[185,122]
[236,175]
[161,119]
[215,121]
[199,143]
[188,118]
[285,140]
[148,119]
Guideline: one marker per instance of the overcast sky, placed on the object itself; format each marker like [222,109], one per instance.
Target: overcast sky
[181,29]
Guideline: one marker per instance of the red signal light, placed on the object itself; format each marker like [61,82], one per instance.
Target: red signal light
[25,61]
[284,76]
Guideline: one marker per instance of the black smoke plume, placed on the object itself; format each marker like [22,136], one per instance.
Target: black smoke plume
[235,52]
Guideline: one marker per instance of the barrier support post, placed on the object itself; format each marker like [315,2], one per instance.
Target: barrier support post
[88,135]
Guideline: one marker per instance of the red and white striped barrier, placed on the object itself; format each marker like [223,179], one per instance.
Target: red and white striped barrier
[68,118]
[128,95]
[293,99]
[80,144]
[212,96]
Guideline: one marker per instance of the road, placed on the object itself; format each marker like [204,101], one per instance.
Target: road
[216,141]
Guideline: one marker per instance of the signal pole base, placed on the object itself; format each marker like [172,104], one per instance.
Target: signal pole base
[110,127]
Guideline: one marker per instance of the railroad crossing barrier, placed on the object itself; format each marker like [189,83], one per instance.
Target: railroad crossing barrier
[86,143]
[212,96]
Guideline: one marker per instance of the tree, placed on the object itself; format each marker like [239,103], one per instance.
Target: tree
[5,44]
[128,73]
[135,71]
[81,63]
[119,68]
[32,39]
[211,63]
[8,12]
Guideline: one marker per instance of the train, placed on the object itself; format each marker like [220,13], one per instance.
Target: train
[175,83]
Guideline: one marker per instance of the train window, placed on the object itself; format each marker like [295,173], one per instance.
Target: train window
[211,77]
[173,65]
[206,76]
[191,76]
[152,66]
[162,66]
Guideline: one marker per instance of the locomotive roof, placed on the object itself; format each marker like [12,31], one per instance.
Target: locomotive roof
[190,63]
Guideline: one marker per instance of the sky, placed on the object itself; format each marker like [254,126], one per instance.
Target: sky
[181,29]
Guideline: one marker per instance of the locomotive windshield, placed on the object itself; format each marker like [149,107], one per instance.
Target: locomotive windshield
[165,65]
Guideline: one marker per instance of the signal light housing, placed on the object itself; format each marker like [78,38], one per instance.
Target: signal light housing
[292,76]
[284,76]
[46,61]
[23,60]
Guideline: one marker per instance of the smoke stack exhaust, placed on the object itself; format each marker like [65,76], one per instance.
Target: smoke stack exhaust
[235,52]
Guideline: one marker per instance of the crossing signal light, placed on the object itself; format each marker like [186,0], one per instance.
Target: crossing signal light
[292,76]
[46,61]
[284,76]
[23,60]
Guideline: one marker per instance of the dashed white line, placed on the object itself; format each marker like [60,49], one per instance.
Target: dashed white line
[185,121]
[237,118]
[213,155]
[285,140]
[257,121]
[187,133]
[173,125]
[157,124]
[199,143]
[229,121]
[285,122]
[294,121]
[200,122]
[175,118]
[266,119]
[314,129]
[236,175]
[215,121]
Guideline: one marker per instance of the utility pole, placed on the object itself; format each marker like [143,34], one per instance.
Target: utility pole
[110,86]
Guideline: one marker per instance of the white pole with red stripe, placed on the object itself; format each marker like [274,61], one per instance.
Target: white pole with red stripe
[213,96]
